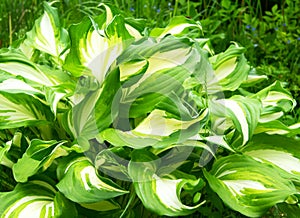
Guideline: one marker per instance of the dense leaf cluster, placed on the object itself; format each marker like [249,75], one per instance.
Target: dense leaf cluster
[109,114]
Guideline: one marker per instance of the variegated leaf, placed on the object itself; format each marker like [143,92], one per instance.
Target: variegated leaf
[53,95]
[152,73]
[151,55]
[80,182]
[18,86]
[243,111]
[178,26]
[158,124]
[18,110]
[10,151]
[37,158]
[275,101]
[48,35]
[96,111]
[253,79]
[280,151]
[38,81]
[36,198]
[158,194]
[248,186]
[112,162]
[277,127]
[157,131]
[4,160]
[231,70]
[96,44]
[16,64]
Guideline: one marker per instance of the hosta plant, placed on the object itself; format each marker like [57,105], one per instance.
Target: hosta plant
[112,119]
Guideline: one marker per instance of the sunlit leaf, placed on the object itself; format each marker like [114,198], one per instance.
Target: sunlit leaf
[243,111]
[80,182]
[248,186]
[36,198]
[277,127]
[18,86]
[156,131]
[16,64]
[278,150]
[275,100]
[161,195]
[48,35]
[18,110]
[96,43]
[253,79]
[37,158]
[177,26]
[4,160]
[231,69]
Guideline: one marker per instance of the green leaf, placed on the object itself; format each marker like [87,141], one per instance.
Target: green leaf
[277,127]
[178,26]
[102,206]
[231,70]
[96,43]
[275,100]
[80,182]
[18,86]
[54,96]
[152,74]
[158,124]
[16,64]
[253,79]
[37,158]
[35,80]
[290,211]
[243,111]
[4,160]
[18,110]
[146,47]
[162,82]
[216,140]
[161,195]
[111,164]
[36,198]
[248,186]
[10,151]
[107,105]
[81,118]
[97,110]
[157,131]
[119,138]
[280,151]
[47,35]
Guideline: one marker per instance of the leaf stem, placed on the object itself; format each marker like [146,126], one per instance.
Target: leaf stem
[175,8]
[10,28]
[132,196]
